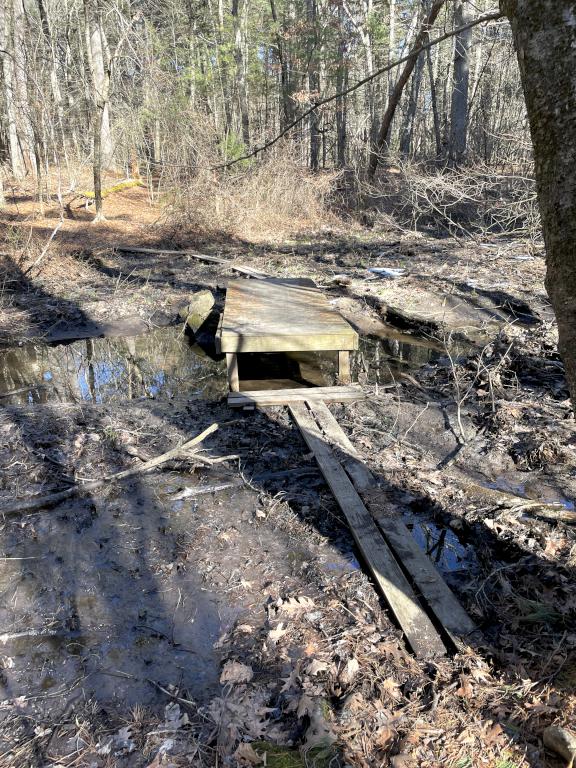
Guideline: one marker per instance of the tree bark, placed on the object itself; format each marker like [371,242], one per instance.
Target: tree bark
[16,159]
[313,82]
[544,34]
[394,99]
[408,126]
[461,79]
[21,97]
[239,10]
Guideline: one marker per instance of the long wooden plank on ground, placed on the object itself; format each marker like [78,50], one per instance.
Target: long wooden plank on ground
[437,593]
[419,630]
[266,397]
[244,270]
[277,315]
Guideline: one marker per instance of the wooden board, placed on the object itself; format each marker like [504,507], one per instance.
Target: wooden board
[281,316]
[267,397]
[437,593]
[249,271]
[419,630]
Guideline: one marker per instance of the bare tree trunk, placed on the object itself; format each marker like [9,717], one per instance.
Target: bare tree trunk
[96,46]
[239,11]
[16,159]
[102,149]
[461,78]
[341,101]
[21,98]
[394,99]
[287,114]
[434,103]
[545,39]
[408,127]
[313,82]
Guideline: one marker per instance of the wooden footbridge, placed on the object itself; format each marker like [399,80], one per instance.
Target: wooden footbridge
[269,315]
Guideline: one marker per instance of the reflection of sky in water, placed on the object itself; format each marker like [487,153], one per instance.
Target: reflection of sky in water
[159,364]
[442,545]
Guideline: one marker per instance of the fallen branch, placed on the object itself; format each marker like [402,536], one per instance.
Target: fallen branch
[55,498]
[44,250]
[201,490]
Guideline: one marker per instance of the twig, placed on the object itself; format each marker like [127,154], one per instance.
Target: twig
[44,250]
[54,498]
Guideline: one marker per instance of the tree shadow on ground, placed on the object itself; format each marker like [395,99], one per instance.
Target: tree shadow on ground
[97,579]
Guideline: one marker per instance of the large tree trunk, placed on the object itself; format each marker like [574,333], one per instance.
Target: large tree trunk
[21,98]
[545,39]
[461,79]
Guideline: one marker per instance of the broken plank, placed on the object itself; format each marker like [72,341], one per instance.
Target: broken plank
[267,397]
[436,592]
[419,630]
[244,270]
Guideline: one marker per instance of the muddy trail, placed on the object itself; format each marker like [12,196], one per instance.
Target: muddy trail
[216,611]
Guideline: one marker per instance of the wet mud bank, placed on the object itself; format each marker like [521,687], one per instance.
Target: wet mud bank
[219,606]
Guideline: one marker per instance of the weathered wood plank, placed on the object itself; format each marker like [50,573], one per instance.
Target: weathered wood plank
[242,269]
[437,593]
[282,316]
[267,397]
[419,630]
[362,478]
[344,367]
[232,369]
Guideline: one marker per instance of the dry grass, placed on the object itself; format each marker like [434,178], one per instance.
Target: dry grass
[273,199]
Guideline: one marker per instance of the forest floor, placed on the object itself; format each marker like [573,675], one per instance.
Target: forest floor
[218,614]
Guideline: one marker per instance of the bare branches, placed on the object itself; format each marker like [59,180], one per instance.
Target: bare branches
[494,15]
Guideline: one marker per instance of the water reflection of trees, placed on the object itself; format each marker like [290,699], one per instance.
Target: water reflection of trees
[161,363]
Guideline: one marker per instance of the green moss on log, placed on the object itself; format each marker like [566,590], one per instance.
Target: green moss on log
[127,184]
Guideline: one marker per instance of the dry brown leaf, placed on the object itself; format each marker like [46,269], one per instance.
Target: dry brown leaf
[391,688]
[316,666]
[275,634]
[235,672]
[247,755]
[295,605]
[465,689]
[349,672]
[383,736]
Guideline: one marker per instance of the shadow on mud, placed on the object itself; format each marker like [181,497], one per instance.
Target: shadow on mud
[96,603]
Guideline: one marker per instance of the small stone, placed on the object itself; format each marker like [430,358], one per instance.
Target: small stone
[456,524]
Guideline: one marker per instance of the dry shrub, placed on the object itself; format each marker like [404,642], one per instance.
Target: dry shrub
[469,200]
[270,200]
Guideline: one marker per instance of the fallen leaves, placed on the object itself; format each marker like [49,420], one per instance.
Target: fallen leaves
[234,672]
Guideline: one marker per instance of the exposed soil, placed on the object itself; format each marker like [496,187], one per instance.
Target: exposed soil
[149,624]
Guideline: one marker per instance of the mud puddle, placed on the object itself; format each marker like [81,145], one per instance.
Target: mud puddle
[108,598]
[450,552]
[160,364]
[166,363]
